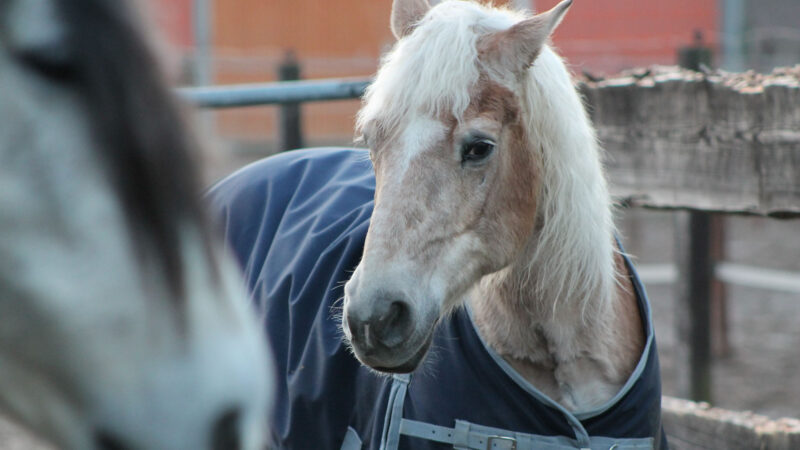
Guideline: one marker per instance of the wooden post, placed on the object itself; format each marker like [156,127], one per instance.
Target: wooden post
[696,269]
[720,344]
[291,126]
[696,55]
[696,266]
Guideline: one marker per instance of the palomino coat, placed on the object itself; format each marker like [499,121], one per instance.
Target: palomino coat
[297,224]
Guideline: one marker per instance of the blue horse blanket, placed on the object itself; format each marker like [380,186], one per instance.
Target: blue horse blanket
[297,223]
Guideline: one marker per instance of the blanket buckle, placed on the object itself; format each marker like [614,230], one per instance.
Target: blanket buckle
[509,441]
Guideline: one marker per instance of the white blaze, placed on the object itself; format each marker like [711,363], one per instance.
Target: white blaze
[420,134]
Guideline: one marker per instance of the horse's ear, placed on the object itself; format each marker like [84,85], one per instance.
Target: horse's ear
[517,47]
[406,14]
[35,28]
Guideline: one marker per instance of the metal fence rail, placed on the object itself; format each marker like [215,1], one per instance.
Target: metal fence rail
[274,93]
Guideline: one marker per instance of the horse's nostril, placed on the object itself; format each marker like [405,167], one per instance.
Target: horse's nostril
[387,327]
[106,441]
[226,433]
[397,315]
[394,326]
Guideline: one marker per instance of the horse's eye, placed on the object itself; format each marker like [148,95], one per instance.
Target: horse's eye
[476,150]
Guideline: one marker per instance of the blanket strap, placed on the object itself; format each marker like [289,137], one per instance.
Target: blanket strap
[467,436]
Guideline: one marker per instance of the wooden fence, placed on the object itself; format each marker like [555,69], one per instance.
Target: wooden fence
[710,142]
[714,142]
[698,426]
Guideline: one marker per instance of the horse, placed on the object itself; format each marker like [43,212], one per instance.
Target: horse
[509,210]
[123,324]
[488,302]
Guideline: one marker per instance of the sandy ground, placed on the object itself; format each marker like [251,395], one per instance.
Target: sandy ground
[762,374]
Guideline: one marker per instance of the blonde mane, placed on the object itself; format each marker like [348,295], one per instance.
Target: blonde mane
[574,249]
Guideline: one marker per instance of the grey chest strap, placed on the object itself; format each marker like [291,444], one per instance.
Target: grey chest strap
[469,436]
[466,435]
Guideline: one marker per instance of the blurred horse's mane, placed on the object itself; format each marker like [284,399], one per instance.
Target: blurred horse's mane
[138,125]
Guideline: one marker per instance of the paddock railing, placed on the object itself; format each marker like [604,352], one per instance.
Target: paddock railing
[709,142]
[278,93]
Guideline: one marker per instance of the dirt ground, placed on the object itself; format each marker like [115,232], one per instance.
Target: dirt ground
[762,373]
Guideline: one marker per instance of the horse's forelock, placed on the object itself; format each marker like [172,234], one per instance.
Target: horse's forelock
[433,70]
[138,127]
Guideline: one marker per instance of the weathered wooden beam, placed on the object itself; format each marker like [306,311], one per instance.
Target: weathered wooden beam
[718,142]
[696,426]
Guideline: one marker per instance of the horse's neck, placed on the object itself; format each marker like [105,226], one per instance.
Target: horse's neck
[579,360]
[564,314]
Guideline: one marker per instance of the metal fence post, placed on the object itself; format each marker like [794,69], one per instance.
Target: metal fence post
[291,126]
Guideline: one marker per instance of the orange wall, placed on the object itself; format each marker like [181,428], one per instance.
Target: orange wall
[599,35]
[332,39]
[345,38]
[611,35]
[341,38]
[341,28]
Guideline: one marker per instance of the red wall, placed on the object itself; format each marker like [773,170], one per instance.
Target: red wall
[345,37]
[610,35]
[174,17]
[605,35]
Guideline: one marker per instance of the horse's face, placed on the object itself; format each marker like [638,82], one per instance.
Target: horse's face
[96,351]
[455,200]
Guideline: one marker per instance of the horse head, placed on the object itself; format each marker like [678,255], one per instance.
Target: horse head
[457,167]
[122,323]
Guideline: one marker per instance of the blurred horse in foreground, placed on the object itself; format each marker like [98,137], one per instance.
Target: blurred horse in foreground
[122,323]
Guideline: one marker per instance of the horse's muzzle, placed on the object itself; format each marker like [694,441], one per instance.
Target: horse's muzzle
[385,337]
[388,326]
